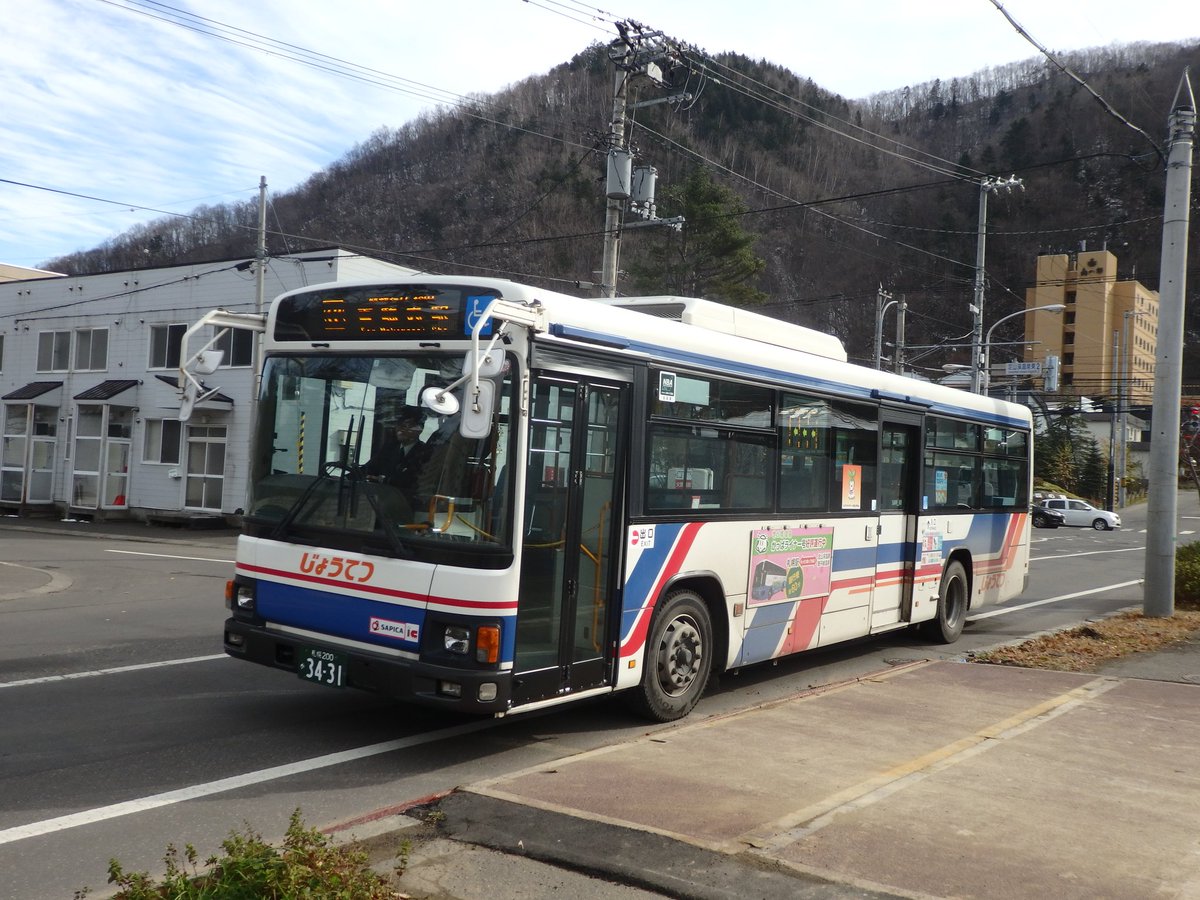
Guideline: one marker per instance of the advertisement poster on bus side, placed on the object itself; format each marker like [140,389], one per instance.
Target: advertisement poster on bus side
[789,564]
[851,487]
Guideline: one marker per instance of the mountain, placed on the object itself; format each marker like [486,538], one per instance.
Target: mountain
[841,196]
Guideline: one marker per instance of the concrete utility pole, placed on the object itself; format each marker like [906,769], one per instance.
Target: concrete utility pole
[645,54]
[618,162]
[260,254]
[898,356]
[987,185]
[1112,423]
[1162,499]
[260,283]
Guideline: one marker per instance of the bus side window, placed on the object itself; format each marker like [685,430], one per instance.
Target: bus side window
[803,481]
[745,491]
[747,483]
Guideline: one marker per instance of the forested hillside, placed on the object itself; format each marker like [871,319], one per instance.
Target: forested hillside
[838,197]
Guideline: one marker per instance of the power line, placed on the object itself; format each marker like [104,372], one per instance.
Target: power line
[1083,84]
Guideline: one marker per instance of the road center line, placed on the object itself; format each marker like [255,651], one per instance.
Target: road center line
[120,670]
[1010,609]
[196,791]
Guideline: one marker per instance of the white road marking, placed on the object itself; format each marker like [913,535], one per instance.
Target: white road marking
[227,562]
[120,670]
[1084,553]
[1009,609]
[196,791]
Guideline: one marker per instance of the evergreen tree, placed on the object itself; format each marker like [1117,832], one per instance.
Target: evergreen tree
[1054,457]
[712,256]
[1093,471]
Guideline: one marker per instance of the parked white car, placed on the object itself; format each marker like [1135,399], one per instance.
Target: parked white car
[1083,514]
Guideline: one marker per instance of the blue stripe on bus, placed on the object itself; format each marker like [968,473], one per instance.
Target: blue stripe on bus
[840,388]
[349,617]
[649,565]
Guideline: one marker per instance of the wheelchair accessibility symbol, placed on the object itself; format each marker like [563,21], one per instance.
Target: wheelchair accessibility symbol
[476,307]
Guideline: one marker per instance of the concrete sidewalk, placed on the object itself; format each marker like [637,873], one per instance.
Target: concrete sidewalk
[937,779]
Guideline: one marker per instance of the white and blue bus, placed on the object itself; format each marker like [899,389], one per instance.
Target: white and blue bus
[492,498]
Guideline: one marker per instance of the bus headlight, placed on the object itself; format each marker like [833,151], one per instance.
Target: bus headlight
[457,639]
[239,597]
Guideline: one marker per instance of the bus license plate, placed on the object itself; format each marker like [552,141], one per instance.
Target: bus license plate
[322,667]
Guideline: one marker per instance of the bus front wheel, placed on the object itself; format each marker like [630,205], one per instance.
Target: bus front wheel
[953,595]
[678,658]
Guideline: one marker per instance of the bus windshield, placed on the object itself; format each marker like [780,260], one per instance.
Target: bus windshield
[345,455]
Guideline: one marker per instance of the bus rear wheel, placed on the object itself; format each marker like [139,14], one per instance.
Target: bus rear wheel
[678,658]
[953,594]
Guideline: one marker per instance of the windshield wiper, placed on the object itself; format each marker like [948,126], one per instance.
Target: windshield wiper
[343,466]
[289,517]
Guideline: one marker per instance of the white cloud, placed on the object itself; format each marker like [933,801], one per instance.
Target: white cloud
[107,101]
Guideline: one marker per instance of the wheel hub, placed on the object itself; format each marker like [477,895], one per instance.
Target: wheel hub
[680,655]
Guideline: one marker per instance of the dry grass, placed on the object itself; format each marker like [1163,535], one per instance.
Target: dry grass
[1083,648]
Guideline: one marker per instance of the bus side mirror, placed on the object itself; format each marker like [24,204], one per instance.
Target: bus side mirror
[477,408]
[479,392]
[206,362]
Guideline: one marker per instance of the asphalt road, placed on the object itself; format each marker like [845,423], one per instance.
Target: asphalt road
[124,727]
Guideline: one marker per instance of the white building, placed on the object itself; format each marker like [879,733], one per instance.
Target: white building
[90,408]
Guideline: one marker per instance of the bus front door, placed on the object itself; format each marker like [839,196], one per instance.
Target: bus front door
[570,543]
[899,472]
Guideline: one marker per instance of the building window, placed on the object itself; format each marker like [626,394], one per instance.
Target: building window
[54,351]
[238,346]
[162,441]
[91,349]
[165,344]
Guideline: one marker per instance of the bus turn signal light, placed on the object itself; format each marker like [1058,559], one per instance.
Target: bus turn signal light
[487,644]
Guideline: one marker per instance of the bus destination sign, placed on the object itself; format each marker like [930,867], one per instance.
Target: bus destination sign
[380,313]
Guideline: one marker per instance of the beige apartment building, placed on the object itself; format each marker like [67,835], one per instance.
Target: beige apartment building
[1105,338]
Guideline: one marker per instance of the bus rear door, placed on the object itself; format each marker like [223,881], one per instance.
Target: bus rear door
[899,488]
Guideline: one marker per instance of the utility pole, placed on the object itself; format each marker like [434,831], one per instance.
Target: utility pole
[987,185]
[619,166]
[1162,500]
[636,53]
[260,283]
[898,358]
[260,254]
[1112,424]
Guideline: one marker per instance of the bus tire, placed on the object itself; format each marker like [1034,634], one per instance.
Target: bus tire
[678,662]
[953,595]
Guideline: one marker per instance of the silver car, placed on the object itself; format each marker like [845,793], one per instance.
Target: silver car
[1083,514]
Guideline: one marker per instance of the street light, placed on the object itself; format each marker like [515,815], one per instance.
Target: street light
[983,375]
[879,328]
[987,185]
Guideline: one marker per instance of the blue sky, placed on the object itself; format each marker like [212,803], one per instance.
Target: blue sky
[106,99]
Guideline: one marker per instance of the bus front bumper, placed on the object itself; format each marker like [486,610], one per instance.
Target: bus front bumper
[441,687]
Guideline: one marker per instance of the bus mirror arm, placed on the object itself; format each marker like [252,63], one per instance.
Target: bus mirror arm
[205,361]
[482,363]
